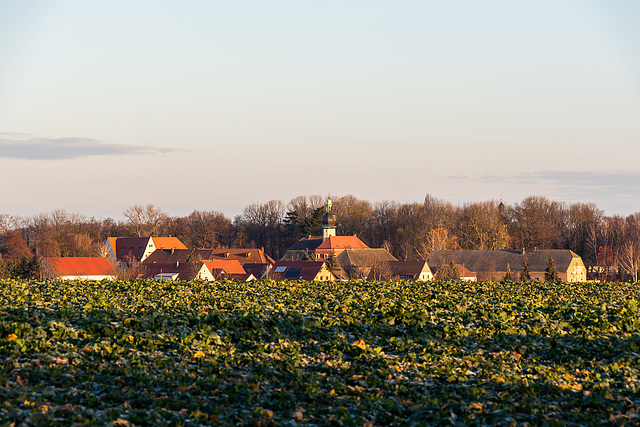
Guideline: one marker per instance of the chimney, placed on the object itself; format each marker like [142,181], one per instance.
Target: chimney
[523,251]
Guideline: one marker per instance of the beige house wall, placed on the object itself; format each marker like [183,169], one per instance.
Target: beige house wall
[324,275]
[577,271]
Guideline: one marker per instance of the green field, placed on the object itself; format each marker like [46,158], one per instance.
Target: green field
[299,353]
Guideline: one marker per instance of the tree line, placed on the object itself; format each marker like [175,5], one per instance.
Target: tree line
[609,245]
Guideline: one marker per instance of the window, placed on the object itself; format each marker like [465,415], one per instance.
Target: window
[280,269]
[293,272]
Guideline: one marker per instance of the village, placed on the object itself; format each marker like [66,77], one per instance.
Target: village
[329,257]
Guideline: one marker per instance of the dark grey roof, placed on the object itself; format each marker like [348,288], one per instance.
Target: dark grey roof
[538,259]
[364,257]
[306,243]
[478,260]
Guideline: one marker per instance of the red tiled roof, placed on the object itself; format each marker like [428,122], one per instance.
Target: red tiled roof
[342,242]
[80,266]
[465,272]
[168,243]
[229,266]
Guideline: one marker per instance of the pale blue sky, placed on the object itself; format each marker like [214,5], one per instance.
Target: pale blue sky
[215,105]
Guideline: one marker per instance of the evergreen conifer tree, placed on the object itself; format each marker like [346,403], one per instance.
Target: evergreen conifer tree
[550,273]
[292,225]
[524,274]
[313,224]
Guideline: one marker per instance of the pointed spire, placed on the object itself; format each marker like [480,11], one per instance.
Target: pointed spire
[328,221]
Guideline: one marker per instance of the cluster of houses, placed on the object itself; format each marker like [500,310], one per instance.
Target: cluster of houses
[313,258]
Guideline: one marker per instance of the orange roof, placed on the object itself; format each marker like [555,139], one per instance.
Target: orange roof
[230,266]
[168,243]
[80,266]
[464,272]
[342,242]
[112,242]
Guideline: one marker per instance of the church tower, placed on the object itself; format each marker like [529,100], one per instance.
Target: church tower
[329,221]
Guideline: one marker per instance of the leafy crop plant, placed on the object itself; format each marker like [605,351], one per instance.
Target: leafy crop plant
[310,353]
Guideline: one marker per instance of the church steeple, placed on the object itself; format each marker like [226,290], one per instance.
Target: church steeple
[329,221]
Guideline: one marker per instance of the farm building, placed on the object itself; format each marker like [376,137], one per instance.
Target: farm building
[495,265]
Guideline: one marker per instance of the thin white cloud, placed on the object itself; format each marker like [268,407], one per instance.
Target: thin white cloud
[589,179]
[31,147]
[618,181]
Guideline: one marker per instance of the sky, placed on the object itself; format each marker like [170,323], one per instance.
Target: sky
[214,105]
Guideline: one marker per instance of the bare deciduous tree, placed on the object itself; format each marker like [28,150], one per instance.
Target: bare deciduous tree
[145,220]
[482,227]
[209,229]
[537,222]
[629,258]
[262,223]
[305,205]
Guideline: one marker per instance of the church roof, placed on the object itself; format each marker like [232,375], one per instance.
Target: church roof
[329,219]
[342,242]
